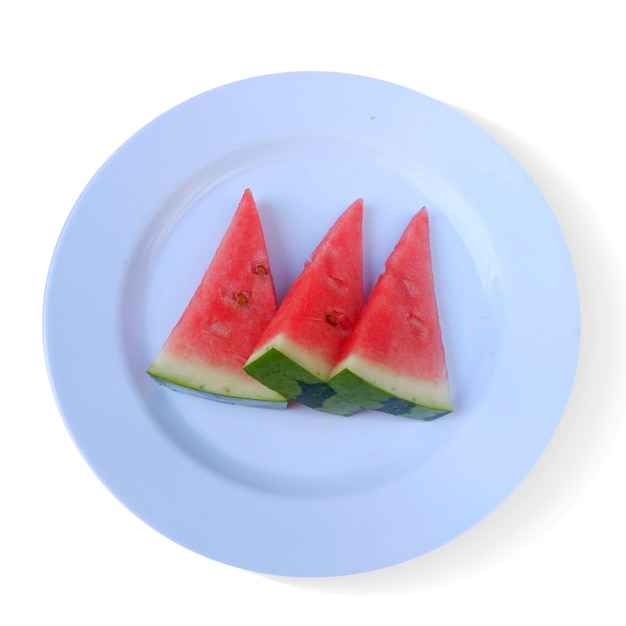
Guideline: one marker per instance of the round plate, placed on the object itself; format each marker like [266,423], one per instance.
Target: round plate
[298,492]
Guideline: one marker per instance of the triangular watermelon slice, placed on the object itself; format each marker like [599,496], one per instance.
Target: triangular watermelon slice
[297,351]
[394,360]
[205,352]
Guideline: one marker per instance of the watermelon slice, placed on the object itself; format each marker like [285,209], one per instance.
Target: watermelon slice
[205,352]
[297,351]
[394,360]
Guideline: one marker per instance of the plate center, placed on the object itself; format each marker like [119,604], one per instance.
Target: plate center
[300,451]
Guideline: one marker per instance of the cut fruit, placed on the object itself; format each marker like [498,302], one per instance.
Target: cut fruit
[394,360]
[297,351]
[205,352]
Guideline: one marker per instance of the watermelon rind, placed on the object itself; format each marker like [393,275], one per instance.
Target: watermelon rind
[281,373]
[256,404]
[374,388]
[198,381]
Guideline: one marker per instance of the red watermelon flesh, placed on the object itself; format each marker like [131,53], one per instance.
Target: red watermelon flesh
[297,351]
[394,360]
[232,306]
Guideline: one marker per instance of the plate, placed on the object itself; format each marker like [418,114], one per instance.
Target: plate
[296,492]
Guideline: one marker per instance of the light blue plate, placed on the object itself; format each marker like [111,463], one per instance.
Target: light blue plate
[298,492]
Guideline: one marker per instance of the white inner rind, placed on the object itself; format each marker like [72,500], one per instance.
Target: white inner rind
[435,395]
[308,360]
[200,376]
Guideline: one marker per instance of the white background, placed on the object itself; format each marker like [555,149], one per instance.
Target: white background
[545,78]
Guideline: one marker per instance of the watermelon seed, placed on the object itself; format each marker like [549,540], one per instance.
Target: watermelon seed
[419,327]
[338,282]
[259,269]
[242,299]
[332,319]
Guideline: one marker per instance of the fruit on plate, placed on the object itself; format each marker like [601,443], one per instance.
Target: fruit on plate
[206,350]
[299,347]
[394,359]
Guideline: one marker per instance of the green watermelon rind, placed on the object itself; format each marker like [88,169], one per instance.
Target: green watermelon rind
[276,370]
[372,396]
[251,402]
[204,382]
